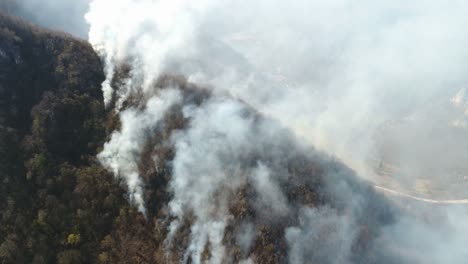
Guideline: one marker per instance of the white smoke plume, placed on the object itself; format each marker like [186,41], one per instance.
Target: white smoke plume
[121,153]
[211,163]
[334,73]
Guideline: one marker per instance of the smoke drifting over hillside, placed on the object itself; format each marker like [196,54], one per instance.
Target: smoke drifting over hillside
[280,78]
[339,69]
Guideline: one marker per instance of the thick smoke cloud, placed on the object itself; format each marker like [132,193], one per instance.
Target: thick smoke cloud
[334,73]
[353,67]
[64,15]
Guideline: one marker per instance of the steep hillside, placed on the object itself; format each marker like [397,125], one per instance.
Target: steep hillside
[244,190]
[51,123]
[199,176]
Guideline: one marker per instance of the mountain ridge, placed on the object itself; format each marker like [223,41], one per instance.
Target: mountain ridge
[61,203]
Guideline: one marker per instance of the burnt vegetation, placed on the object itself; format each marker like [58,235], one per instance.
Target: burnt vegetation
[59,205]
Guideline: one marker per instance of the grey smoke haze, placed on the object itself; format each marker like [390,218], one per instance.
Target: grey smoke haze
[353,67]
[63,15]
[334,73]
[322,233]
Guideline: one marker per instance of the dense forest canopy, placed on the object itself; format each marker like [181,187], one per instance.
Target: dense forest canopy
[52,122]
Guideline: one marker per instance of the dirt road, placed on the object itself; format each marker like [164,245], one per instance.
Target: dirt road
[391,192]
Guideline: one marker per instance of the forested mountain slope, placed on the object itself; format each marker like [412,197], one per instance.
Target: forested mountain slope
[58,204]
[51,122]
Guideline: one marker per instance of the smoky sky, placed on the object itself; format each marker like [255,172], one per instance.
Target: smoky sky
[63,15]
